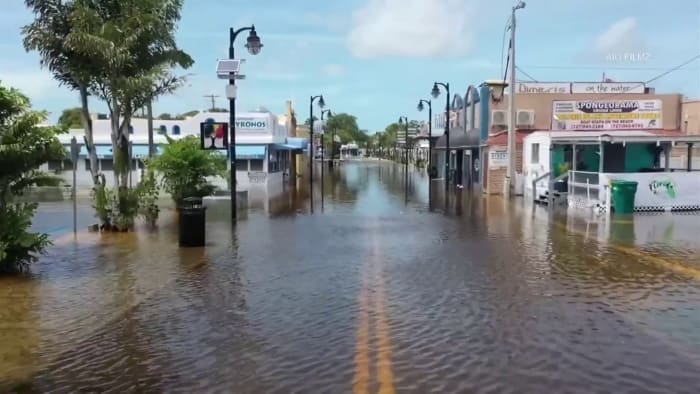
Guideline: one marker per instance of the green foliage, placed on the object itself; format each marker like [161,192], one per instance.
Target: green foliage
[117,211]
[184,167]
[24,147]
[71,118]
[165,116]
[345,126]
[148,192]
[189,113]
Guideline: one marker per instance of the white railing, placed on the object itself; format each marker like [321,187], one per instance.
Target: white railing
[584,186]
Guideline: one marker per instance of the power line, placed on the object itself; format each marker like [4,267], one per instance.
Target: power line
[533,79]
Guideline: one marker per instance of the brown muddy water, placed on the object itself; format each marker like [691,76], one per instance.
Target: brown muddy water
[368,294]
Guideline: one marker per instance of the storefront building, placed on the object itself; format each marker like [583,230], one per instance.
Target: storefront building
[483,112]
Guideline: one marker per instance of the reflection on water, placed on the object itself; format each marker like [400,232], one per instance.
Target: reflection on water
[488,296]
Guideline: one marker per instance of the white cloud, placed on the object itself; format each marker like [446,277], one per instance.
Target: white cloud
[411,28]
[621,41]
[333,70]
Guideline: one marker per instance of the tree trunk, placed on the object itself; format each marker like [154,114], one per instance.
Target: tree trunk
[149,114]
[114,123]
[89,140]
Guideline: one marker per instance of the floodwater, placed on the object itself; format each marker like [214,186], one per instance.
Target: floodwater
[370,293]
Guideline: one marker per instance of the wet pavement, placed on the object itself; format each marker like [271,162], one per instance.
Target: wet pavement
[369,294]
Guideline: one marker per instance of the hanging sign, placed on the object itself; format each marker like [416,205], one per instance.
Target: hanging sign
[498,158]
[214,135]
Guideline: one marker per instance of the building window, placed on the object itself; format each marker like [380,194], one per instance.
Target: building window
[535,155]
[256,165]
[162,129]
[87,164]
[106,165]
[176,130]
[55,165]
[241,165]
[131,129]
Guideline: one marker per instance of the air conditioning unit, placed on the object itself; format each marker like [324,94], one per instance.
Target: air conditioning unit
[499,118]
[525,117]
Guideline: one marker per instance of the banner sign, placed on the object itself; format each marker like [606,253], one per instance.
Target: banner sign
[606,115]
[256,124]
[542,87]
[498,158]
[213,135]
[608,87]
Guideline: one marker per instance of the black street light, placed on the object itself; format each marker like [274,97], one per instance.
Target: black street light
[321,104]
[254,46]
[436,93]
[323,149]
[404,121]
[430,131]
[431,173]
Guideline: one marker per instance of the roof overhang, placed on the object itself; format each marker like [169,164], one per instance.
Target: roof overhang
[627,136]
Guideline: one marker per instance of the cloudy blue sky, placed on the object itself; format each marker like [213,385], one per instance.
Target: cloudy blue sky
[376,58]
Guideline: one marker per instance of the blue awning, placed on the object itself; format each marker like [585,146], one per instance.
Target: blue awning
[250,151]
[141,151]
[288,147]
[105,151]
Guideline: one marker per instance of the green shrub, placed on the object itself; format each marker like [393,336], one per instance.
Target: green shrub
[24,147]
[184,167]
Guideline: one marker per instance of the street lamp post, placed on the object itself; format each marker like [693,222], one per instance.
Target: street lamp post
[436,93]
[323,149]
[430,145]
[430,130]
[510,172]
[404,120]
[321,104]
[254,46]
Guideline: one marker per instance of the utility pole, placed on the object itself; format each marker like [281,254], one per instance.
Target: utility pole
[213,101]
[510,173]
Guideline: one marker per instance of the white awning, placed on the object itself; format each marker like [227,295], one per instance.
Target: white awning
[626,136]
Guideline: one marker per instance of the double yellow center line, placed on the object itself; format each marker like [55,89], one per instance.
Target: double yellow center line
[372,295]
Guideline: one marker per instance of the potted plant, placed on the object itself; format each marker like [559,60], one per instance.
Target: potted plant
[562,185]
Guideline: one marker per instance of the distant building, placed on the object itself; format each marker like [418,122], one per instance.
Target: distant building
[264,149]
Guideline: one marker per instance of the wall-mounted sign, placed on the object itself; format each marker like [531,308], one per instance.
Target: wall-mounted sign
[542,87]
[256,124]
[498,159]
[607,87]
[213,135]
[606,115]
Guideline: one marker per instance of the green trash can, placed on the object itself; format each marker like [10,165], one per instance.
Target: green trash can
[623,196]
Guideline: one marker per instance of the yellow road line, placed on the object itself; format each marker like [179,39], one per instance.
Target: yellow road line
[385,375]
[362,340]
[372,274]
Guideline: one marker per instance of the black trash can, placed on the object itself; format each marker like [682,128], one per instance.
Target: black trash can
[192,223]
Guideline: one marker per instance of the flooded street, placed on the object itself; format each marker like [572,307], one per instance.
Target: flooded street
[369,294]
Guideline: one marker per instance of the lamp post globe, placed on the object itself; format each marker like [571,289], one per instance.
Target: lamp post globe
[420,106]
[436,91]
[253,43]
[321,103]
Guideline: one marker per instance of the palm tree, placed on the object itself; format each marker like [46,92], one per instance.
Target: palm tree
[133,44]
[47,35]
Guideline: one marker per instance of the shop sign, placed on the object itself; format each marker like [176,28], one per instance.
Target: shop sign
[498,158]
[542,87]
[607,87]
[606,115]
[251,124]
